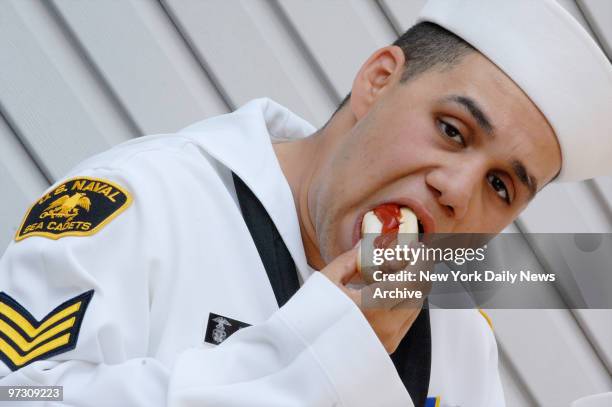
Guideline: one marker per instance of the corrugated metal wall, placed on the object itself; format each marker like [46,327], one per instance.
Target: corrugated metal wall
[79,76]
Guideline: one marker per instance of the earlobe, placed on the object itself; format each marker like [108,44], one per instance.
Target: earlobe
[381,71]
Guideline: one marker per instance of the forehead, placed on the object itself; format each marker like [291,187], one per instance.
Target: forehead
[504,101]
[519,128]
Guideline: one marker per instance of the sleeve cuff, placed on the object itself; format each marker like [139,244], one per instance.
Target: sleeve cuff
[340,339]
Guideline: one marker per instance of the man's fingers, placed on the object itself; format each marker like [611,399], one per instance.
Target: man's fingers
[353,294]
[389,293]
[343,267]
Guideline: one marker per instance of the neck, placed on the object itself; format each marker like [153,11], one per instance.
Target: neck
[298,160]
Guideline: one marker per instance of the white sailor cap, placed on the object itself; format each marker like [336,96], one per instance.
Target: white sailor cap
[552,58]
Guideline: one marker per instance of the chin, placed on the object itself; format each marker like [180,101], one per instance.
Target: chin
[334,234]
[327,251]
[329,245]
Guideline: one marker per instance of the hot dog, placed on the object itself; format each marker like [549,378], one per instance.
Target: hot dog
[387,221]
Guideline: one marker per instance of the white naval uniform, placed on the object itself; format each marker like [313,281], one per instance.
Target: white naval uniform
[182,250]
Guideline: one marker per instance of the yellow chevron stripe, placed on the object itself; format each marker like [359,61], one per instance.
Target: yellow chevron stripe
[26,345]
[23,323]
[19,360]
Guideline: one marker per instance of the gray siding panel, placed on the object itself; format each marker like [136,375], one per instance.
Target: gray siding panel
[20,180]
[547,348]
[340,35]
[38,98]
[402,13]
[599,13]
[245,59]
[134,66]
[80,76]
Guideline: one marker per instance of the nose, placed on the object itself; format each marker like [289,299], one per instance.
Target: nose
[454,188]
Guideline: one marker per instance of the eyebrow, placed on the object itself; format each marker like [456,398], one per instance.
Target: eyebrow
[475,110]
[526,179]
[484,123]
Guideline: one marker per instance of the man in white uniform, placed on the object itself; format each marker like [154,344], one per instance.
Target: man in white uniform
[136,280]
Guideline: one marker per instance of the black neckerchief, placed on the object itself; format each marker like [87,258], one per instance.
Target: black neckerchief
[412,359]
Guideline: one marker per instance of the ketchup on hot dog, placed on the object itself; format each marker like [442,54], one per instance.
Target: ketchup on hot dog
[389,215]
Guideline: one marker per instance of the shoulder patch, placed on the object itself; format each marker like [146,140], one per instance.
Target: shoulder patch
[78,207]
[24,339]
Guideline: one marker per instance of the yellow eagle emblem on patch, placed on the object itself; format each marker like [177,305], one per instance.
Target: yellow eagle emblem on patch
[78,207]
[66,206]
[24,339]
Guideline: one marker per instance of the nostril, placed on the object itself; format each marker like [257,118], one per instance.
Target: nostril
[450,210]
[437,193]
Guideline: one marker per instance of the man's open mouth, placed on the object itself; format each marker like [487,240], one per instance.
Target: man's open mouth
[390,219]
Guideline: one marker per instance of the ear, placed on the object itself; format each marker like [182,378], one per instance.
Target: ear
[377,74]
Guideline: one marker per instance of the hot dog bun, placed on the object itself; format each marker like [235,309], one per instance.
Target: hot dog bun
[408,231]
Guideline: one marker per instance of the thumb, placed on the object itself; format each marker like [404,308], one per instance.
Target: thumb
[343,267]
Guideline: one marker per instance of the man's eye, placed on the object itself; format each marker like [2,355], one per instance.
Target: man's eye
[451,132]
[499,187]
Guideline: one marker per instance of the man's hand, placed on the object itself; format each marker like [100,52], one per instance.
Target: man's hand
[390,318]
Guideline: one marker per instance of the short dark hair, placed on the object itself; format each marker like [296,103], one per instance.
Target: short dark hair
[426,46]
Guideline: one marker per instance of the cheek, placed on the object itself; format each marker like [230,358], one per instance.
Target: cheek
[373,157]
[397,135]
[336,194]
[487,219]
[405,150]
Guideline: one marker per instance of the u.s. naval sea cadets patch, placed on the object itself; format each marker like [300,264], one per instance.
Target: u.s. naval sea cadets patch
[78,207]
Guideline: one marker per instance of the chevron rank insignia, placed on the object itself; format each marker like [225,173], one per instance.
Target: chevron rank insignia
[24,339]
[78,207]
